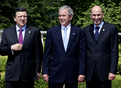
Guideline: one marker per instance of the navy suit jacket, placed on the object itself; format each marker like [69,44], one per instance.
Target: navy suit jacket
[27,62]
[61,65]
[103,53]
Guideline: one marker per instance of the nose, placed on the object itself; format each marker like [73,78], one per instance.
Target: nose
[96,17]
[22,17]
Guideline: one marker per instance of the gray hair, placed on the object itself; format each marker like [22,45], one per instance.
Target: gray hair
[70,10]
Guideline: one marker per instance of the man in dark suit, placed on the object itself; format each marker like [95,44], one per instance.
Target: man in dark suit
[102,51]
[64,65]
[25,55]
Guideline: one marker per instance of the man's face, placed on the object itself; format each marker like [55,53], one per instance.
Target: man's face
[96,15]
[21,18]
[64,18]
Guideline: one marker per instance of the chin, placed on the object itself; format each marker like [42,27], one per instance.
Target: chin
[96,23]
[62,24]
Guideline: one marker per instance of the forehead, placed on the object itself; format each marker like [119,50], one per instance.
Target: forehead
[21,13]
[96,11]
[63,11]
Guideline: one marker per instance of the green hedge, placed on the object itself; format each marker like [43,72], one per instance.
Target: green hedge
[2,80]
[116,83]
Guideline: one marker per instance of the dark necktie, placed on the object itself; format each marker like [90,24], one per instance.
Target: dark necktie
[20,36]
[96,33]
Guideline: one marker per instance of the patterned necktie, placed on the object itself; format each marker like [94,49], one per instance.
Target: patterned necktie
[65,38]
[96,33]
[20,37]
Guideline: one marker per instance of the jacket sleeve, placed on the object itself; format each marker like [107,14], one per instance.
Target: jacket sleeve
[114,50]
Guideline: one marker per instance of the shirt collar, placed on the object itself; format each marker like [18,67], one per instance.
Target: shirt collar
[100,25]
[62,27]
[23,28]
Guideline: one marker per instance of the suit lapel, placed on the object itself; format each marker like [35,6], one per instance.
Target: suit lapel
[59,36]
[27,34]
[91,30]
[14,34]
[102,32]
[71,38]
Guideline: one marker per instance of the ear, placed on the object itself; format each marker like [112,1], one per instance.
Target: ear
[71,16]
[103,14]
[14,18]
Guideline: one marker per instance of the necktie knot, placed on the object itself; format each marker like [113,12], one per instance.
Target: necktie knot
[65,29]
[97,28]
[20,30]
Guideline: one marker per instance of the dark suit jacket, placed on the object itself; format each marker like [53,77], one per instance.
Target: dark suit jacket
[27,62]
[61,65]
[103,52]
[5,50]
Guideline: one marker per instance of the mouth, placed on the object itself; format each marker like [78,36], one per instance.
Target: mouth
[22,22]
[61,21]
[96,21]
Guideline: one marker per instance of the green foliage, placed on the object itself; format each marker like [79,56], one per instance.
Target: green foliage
[119,68]
[2,80]
[44,13]
[82,85]
[116,83]
[3,61]
[40,84]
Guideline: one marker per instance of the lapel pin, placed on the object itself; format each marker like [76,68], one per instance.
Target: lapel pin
[73,33]
[29,31]
[103,29]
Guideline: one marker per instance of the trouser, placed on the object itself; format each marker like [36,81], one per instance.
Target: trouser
[65,83]
[19,84]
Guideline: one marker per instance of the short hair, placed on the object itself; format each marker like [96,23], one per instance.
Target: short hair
[100,7]
[20,9]
[70,10]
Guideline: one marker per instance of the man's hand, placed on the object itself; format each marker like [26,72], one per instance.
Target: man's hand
[81,78]
[45,77]
[39,76]
[16,47]
[111,76]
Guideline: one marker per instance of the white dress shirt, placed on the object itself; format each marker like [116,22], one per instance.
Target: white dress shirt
[68,30]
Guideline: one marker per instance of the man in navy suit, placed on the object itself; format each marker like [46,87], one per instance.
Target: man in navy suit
[102,51]
[24,57]
[64,65]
